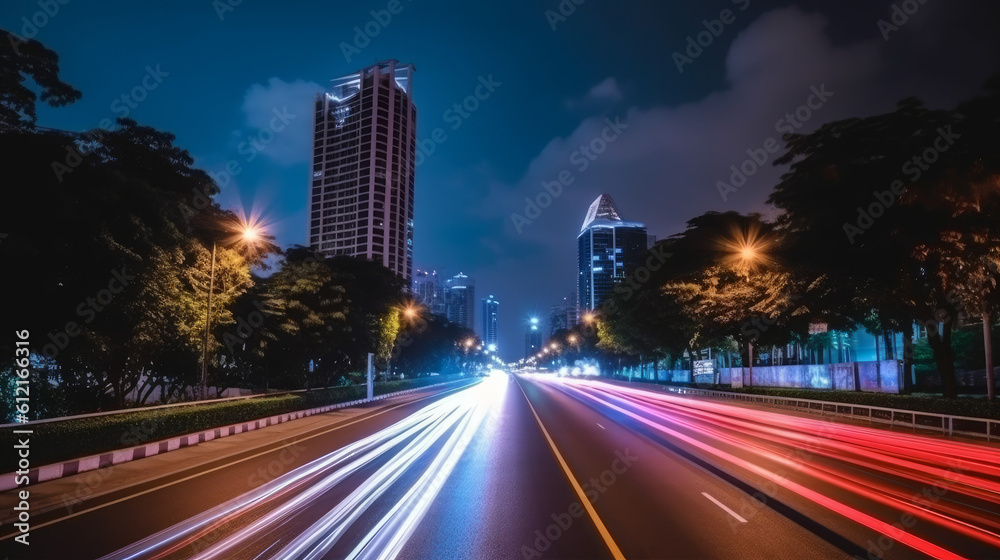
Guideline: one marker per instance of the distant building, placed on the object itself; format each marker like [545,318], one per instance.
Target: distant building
[609,250]
[363,164]
[491,331]
[564,315]
[557,320]
[532,338]
[460,297]
[429,291]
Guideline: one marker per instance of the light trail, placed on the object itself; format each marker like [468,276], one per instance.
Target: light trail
[437,434]
[862,464]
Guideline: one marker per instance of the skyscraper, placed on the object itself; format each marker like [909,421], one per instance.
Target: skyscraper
[564,315]
[609,250]
[428,290]
[532,338]
[491,332]
[460,297]
[361,198]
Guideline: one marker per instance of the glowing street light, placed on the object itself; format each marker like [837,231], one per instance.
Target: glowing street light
[410,311]
[250,233]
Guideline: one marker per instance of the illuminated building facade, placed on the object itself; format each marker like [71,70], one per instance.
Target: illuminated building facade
[364,145]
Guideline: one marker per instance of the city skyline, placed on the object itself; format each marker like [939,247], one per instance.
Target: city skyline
[747,253]
[679,132]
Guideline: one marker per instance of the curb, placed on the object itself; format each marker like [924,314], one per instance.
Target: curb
[75,466]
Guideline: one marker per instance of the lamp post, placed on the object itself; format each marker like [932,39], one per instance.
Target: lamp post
[749,254]
[208,319]
[250,235]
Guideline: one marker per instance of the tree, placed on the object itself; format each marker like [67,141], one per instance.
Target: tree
[890,214]
[374,295]
[430,344]
[305,317]
[27,58]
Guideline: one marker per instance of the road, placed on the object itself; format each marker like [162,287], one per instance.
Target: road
[543,467]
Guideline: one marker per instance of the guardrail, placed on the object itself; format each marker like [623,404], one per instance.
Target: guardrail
[945,423]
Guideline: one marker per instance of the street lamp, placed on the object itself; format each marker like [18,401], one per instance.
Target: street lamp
[411,311]
[748,252]
[249,234]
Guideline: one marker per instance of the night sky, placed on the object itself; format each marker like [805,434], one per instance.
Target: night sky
[219,80]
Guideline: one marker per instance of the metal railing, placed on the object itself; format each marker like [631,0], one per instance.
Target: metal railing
[947,424]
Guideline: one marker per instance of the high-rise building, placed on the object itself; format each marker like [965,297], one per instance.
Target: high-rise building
[609,250]
[491,331]
[429,291]
[564,315]
[532,338]
[364,145]
[460,297]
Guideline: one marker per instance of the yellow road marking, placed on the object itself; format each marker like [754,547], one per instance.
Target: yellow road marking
[601,528]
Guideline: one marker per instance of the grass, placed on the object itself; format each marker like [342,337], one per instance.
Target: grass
[58,441]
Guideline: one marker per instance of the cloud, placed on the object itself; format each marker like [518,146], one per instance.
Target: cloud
[663,169]
[608,89]
[604,92]
[284,109]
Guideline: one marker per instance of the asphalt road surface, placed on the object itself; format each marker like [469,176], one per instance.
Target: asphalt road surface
[546,467]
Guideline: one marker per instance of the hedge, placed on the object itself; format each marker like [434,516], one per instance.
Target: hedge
[58,441]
